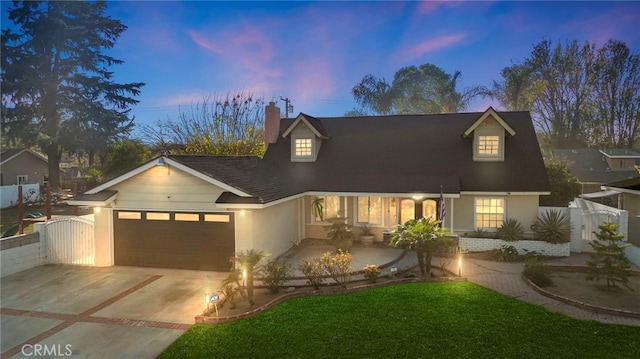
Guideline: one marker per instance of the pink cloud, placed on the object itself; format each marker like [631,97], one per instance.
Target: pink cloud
[417,50]
[314,78]
[247,49]
[204,43]
[428,7]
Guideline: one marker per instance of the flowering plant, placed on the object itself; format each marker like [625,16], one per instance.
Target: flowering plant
[371,272]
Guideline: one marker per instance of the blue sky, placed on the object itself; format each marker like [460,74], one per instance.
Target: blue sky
[315,52]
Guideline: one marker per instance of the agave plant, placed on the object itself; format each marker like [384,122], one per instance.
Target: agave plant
[553,226]
[511,230]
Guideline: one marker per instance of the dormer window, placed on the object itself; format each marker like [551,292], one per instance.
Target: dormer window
[303,147]
[489,132]
[489,146]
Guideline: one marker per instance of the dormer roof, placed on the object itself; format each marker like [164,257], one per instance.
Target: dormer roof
[313,123]
[490,112]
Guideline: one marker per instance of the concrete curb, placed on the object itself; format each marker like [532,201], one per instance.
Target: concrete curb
[205,319]
[576,303]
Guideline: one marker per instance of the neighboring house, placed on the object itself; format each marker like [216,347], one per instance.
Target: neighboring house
[628,192]
[22,166]
[195,212]
[595,168]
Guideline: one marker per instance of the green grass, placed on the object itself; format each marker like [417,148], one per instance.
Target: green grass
[419,320]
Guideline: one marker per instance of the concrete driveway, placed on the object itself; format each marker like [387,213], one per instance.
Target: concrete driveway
[114,312]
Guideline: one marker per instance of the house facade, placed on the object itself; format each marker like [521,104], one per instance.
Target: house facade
[596,167]
[22,166]
[195,212]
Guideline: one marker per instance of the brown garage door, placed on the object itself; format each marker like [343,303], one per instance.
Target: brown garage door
[202,241]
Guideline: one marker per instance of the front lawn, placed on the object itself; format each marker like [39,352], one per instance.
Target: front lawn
[418,320]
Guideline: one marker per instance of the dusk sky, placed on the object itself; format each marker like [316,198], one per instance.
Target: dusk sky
[315,52]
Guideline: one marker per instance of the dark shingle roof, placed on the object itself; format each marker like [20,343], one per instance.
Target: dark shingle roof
[246,173]
[589,166]
[405,153]
[383,154]
[631,184]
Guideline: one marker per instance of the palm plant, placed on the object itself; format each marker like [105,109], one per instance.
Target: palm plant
[317,208]
[552,226]
[248,261]
[339,234]
[423,235]
[511,230]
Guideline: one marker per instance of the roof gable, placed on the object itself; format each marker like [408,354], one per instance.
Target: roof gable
[312,123]
[10,154]
[173,161]
[490,112]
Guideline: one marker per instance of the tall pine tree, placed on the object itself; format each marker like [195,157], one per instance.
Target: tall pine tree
[609,261]
[56,84]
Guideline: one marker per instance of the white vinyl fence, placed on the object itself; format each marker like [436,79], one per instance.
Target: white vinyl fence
[594,214]
[9,194]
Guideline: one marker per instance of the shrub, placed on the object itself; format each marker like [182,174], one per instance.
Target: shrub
[313,271]
[371,272]
[507,253]
[511,230]
[609,260]
[537,272]
[480,233]
[553,227]
[275,274]
[338,267]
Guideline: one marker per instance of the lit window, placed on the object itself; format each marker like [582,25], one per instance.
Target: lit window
[370,210]
[216,218]
[188,217]
[429,209]
[489,212]
[489,145]
[407,210]
[129,215]
[157,216]
[330,207]
[303,147]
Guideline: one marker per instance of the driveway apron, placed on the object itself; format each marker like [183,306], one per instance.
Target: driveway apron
[114,312]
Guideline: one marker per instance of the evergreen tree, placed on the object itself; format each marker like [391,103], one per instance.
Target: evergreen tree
[56,84]
[609,261]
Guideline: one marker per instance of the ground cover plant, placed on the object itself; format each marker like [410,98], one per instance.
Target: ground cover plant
[416,320]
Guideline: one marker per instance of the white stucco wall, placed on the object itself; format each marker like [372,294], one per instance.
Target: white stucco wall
[275,228]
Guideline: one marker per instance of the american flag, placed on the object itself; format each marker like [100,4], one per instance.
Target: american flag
[442,211]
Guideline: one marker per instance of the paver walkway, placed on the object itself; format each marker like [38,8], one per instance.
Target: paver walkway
[505,278]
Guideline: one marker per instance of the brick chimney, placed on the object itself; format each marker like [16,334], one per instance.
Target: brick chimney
[271,123]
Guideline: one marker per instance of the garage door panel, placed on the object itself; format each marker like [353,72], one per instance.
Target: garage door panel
[175,244]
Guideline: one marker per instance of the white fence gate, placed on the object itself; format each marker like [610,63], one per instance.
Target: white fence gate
[70,240]
[594,214]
